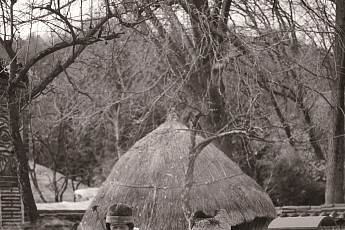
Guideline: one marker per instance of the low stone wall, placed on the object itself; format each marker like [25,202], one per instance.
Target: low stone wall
[337,211]
[70,215]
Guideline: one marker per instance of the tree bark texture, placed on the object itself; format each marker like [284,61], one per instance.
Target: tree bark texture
[335,160]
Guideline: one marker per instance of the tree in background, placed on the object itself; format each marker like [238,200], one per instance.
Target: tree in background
[105,95]
[71,34]
[276,55]
[260,66]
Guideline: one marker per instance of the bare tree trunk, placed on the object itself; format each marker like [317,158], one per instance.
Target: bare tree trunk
[35,183]
[19,148]
[14,106]
[335,160]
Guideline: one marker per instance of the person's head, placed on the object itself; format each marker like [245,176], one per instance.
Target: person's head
[119,217]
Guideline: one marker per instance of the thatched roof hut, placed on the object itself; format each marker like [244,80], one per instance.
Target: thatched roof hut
[150,177]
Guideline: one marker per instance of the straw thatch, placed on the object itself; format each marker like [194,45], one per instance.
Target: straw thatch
[150,177]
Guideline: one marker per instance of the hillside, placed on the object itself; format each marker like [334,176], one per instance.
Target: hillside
[46,186]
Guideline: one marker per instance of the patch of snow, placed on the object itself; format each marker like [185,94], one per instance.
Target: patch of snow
[85,194]
[64,205]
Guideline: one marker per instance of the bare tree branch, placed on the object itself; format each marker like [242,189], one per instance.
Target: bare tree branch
[88,40]
[75,87]
[58,13]
[195,150]
[48,14]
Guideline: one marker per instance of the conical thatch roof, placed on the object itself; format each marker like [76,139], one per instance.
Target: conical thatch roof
[150,177]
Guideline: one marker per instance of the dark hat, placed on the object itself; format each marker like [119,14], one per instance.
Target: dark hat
[119,214]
